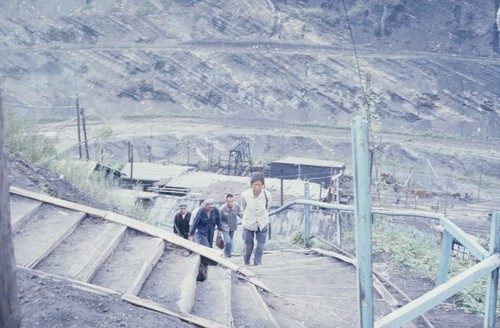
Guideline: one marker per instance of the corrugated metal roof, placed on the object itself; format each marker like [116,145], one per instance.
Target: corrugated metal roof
[146,171]
[309,161]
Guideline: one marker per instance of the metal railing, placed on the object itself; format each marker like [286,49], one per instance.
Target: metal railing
[489,260]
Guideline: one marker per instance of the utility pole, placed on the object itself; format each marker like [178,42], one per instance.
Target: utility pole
[10,311]
[407,185]
[78,122]
[85,134]
[281,188]
[210,155]
[479,188]
[131,160]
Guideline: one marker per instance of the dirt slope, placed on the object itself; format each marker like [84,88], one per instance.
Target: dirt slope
[425,65]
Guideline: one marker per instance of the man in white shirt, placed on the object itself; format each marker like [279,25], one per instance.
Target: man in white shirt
[255,203]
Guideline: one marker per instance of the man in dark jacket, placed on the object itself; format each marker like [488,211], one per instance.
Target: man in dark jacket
[204,224]
[181,222]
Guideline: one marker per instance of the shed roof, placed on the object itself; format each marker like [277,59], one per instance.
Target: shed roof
[309,161]
[146,171]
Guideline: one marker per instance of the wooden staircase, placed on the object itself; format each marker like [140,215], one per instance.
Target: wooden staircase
[155,269]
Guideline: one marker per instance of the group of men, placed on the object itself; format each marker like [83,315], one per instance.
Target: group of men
[208,221]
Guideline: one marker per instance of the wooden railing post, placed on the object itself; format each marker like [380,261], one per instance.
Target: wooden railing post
[307,217]
[444,262]
[338,229]
[337,213]
[10,314]
[362,211]
[492,287]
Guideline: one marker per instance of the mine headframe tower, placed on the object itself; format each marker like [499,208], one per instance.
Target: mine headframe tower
[240,159]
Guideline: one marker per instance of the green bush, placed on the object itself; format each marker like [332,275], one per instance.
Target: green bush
[407,246]
[419,252]
[22,139]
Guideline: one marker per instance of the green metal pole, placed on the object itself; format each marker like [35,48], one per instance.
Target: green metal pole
[492,291]
[363,223]
[307,217]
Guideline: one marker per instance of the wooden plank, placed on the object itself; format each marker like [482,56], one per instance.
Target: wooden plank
[43,233]
[335,255]
[103,247]
[58,202]
[379,287]
[73,283]
[248,306]
[172,283]
[216,291]
[262,305]
[258,283]
[146,268]
[131,253]
[188,287]
[20,210]
[386,295]
[57,238]
[202,322]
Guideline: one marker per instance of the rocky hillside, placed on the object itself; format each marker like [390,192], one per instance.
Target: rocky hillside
[423,65]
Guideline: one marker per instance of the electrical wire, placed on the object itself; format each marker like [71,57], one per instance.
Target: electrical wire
[365,98]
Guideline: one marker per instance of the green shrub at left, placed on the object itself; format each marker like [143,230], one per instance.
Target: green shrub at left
[22,139]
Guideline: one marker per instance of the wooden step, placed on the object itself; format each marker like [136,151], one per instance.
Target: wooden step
[21,208]
[42,233]
[317,284]
[172,282]
[148,304]
[74,248]
[147,266]
[213,296]
[120,270]
[248,307]
[101,249]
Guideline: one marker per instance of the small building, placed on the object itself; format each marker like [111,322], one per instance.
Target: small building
[313,170]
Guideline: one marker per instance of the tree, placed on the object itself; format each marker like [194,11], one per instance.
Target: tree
[9,302]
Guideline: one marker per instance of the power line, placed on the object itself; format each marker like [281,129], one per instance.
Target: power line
[40,107]
[365,98]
